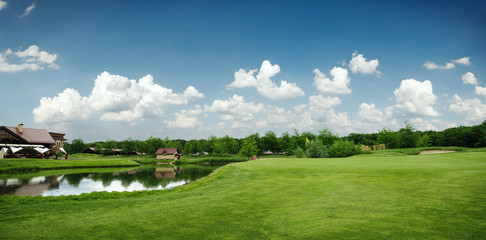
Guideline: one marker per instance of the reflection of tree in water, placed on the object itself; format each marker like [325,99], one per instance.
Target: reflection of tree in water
[75,178]
[149,177]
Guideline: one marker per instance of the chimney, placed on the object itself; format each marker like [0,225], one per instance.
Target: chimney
[20,127]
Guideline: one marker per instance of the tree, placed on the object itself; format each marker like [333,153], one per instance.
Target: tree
[108,147]
[285,144]
[408,137]
[327,137]
[270,142]
[343,148]
[128,146]
[249,147]
[230,144]
[76,146]
[152,144]
[98,148]
[389,138]
[315,149]
[424,141]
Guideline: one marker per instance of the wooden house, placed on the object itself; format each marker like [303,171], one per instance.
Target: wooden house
[168,153]
[40,140]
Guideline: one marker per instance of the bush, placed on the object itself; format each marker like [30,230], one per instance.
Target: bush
[299,152]
[343,148]
[315,149]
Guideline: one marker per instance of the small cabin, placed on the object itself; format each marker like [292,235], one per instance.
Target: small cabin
[168,153]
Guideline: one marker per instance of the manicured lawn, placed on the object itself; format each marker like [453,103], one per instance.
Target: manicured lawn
[372,196]
[25,164]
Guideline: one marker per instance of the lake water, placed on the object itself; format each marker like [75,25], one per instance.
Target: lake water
[50,183]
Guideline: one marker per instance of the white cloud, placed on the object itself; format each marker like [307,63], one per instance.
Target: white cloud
[117,98]
[369,113]
[359,64]
[413,98]
[66,106]
[481,91]
[463,61]
[321,110]
[3,5]
[264,84]
[474,109]
[469,78]
[433,124]
[338,85]
[28,10]
[187,118]
[235,108]
[30,59]
[433,66]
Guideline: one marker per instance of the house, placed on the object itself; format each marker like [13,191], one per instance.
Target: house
[17,138]
[168,153]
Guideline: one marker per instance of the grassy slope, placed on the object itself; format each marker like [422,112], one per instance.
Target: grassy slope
[371,196]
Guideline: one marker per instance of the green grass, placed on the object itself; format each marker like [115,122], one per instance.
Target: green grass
[81,161]
[371,196]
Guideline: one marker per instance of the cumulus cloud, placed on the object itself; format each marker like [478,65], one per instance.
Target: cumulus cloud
[28,10]
[469,78]
[30,59]
[264,84]
[321,110]
[338,85]
[473,109]
[117,98]
[235,108]
[187,118]
[369,113]
[413,98]
[359,64]
[463,61]
[3,5]
[433,66]
[449,65]
[432,124]
[66,106]
[481,91]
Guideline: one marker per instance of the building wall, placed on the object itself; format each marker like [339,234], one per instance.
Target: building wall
[166,156]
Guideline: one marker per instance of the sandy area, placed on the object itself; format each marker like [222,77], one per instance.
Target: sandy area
[435,151]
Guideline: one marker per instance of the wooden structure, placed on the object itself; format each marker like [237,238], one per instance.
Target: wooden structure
[168,153]
[38,140]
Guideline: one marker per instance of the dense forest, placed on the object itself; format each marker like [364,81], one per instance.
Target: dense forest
[295,142]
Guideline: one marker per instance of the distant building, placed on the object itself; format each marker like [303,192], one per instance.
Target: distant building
[168,153]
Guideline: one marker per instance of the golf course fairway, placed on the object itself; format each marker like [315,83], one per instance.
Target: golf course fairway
[370,196]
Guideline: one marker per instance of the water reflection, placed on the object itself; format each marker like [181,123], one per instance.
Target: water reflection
[143,178]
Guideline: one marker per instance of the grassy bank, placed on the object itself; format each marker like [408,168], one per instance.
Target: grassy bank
[372,196]
[32,164]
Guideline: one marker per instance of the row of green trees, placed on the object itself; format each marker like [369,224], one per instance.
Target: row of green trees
[406,137]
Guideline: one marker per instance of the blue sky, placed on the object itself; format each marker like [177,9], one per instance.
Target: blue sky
[191,69]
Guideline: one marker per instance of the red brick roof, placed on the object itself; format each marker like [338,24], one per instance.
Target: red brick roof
[31,135]
[168,151]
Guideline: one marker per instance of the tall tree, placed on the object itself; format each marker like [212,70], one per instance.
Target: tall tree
[408,137]
[249,147]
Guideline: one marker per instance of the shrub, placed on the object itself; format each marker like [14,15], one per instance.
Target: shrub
[343,148]
[315,149]
[299,152]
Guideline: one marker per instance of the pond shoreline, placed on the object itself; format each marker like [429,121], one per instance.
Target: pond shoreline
[61,168]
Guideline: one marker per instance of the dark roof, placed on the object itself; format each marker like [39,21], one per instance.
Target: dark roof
[57,136]
[169,151]
[31,135]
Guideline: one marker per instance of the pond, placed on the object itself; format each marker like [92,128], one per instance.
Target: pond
[78,181]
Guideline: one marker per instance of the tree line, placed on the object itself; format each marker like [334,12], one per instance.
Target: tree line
[289,143]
